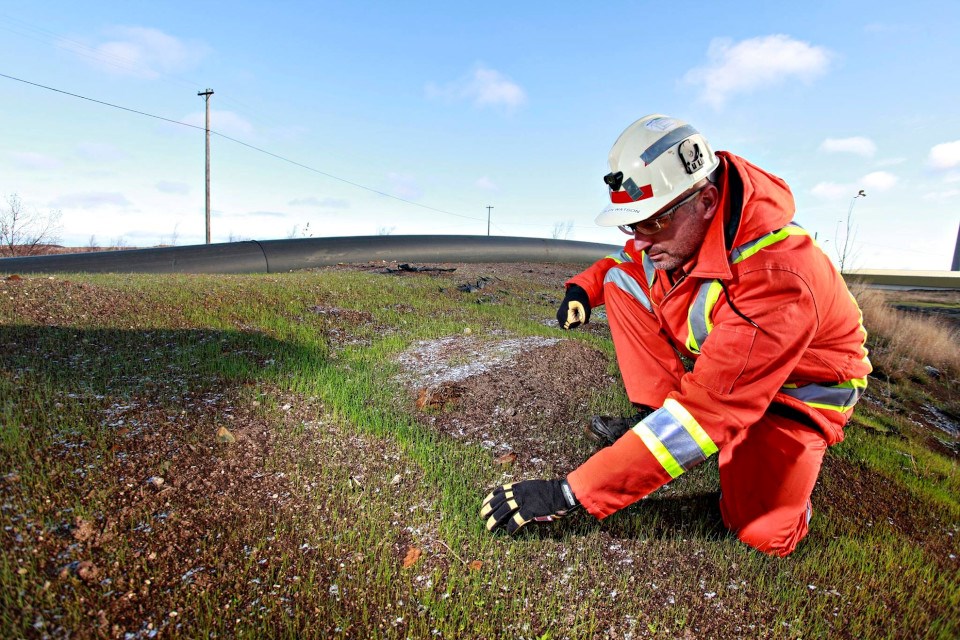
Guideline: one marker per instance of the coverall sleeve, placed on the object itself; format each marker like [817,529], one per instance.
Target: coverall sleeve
[742,365]
[591,279]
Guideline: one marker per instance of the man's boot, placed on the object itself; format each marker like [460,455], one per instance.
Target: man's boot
[605,430]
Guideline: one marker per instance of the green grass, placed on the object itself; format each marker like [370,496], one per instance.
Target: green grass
[329,562]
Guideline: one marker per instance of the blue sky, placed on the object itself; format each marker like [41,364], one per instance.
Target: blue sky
[453,108]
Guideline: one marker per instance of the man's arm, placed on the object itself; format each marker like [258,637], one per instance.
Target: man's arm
[591,279]
[743,363]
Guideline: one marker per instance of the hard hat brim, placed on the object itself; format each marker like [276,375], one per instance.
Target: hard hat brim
[627,213]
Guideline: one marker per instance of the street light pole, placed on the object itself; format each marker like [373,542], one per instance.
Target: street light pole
[206,98]
[847,240]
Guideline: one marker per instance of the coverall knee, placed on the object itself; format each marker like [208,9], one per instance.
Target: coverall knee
[767,473]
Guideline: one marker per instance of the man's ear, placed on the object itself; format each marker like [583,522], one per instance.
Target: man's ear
[710,199]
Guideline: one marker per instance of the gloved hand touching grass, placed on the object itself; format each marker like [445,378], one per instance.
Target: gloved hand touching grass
[514,505]
[575,308]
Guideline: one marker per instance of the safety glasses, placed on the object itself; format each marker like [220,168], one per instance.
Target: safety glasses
[659,223]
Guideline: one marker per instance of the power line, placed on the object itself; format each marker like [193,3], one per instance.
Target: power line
[129,64]
[245,144]
[107,104]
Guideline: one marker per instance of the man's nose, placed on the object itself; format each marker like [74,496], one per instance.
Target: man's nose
[641,242]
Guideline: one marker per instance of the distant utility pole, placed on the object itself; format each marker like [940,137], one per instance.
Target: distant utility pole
[488,219]
[206,98]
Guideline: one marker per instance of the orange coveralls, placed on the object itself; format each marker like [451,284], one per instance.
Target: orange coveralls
[779,356]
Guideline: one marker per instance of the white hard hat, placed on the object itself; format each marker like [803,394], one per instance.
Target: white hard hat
[655,160]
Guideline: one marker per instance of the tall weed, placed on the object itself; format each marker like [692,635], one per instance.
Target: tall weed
[901,344]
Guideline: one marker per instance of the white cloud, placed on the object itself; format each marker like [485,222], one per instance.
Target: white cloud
[225,122]
[141,52]
[945,156]
[90,200]
[872,182]
[178,188]
[35,161]
[879,181]
[857,145]
[756,63]
[483,87]
[486,184]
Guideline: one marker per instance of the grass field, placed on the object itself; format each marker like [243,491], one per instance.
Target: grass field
[304,454]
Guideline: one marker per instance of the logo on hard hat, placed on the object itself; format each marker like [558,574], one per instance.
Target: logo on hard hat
[661,124]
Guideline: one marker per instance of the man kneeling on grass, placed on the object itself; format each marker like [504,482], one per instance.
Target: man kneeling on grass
[715,270]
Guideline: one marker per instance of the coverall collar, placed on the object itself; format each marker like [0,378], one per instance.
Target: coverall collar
[767,205]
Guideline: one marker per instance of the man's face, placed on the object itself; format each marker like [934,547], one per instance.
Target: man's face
[672,247]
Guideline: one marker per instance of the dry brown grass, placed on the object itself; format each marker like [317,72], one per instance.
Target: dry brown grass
[903,344]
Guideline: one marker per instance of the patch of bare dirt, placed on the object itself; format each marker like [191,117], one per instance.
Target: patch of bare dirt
[528,397]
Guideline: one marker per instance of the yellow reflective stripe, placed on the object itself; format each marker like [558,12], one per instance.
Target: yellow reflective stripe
[699,321]
[693,427]
[658,450]
[745,251]
[855,383]
[620,257]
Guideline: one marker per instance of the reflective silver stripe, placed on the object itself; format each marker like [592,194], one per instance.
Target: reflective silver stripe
[649,269]
[624,282]
[839,397]
[699,324]
[675,438]
[671,433]
[620,257]
[671,138]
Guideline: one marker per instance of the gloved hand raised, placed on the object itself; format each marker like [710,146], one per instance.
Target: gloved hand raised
[575,308]
[514,505]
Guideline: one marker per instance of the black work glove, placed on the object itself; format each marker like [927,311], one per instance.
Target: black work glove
[575,308]
[514,505]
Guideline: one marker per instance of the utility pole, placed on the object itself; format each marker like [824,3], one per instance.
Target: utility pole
[206,98]
[488,219]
